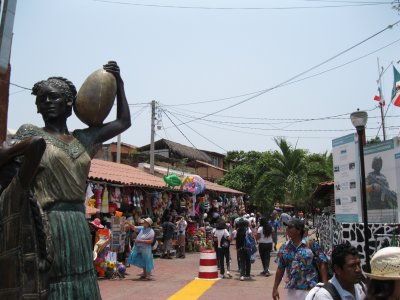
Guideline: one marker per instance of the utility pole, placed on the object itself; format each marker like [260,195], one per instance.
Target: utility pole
[6,28]
[153,118]
[381,100]
[4,93]
[119,149]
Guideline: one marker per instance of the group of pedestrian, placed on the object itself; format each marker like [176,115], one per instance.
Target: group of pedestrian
[304,267]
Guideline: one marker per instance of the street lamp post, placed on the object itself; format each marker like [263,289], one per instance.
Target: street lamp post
[359,120]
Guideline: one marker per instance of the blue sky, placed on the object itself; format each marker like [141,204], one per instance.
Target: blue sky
[196,57]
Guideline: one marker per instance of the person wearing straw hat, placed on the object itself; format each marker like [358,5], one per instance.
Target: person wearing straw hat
[141,254]
[384,279]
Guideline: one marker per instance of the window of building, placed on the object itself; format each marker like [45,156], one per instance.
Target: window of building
[215,161]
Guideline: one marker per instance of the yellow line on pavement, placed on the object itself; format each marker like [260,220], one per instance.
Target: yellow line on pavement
[193,290]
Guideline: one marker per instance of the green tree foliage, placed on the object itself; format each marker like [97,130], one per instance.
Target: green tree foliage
[244,173]
[287,175]
[396,5]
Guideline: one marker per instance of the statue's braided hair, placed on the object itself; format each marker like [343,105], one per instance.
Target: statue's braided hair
[67,88]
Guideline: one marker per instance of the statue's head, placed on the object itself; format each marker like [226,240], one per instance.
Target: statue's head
[377,163]
[52,90]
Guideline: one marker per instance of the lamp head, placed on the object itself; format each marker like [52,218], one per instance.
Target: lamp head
[359,119]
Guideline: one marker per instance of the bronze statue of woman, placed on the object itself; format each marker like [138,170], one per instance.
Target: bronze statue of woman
[50,238]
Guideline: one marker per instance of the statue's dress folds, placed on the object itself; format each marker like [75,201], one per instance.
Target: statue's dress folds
[59,188]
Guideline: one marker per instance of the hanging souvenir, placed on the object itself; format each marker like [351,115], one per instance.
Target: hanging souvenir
[98,190]
[104,202]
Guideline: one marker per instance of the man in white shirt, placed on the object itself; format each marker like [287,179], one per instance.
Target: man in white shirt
[347,283]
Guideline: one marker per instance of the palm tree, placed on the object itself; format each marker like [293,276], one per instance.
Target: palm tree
[289,170]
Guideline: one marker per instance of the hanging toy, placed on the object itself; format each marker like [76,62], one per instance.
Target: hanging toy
[172,180]
[194,184]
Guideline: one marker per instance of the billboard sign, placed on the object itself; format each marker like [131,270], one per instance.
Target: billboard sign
[382,167]
[347,178]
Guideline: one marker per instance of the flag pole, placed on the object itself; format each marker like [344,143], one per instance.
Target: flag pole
[381,100]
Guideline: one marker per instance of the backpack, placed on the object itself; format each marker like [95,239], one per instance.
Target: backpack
[331,289]
[225,242]
[250,243]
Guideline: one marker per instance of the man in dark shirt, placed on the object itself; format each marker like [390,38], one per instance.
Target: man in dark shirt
[168,233]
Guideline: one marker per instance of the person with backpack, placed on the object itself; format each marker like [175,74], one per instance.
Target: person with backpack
[300,263]
[222,240]
[242,248]
[346,283]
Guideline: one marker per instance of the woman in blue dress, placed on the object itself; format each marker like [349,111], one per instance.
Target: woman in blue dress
[141,255]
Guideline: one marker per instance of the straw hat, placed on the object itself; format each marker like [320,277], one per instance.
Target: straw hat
[385,264]
[99,246]
[148,221]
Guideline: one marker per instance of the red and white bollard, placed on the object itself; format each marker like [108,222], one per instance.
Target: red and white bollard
[208,265]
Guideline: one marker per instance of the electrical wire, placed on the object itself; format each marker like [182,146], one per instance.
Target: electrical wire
[241,8]
[338,1]
[286,120]
[20,86]
[293,82]
[229,129]
[300,74]
[233,124]
[139,112]
[181,132]
[165,112]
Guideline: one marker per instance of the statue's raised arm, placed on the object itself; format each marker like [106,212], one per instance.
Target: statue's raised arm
[47,194]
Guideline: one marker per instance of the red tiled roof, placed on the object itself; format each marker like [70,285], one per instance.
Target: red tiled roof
[210,165]
[322,189]
[211,186]
[101,170]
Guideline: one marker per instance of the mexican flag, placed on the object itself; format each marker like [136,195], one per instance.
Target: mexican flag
[396,88]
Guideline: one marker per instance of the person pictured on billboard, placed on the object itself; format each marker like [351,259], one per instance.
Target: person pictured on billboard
[379,194]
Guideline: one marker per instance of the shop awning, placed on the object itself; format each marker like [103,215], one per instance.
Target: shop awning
[121,174]
[211,186]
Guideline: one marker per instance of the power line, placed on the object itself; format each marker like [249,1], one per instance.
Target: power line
[139,112]
[234,124]
[20,86]
[230,129]
[243,8]
[300,74]
[165,112]
[337,1]
[181,132]
[293,82]
[294,120]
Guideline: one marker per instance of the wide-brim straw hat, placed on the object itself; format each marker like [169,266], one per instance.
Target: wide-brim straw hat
[148,221]
[385,264]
